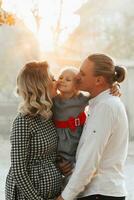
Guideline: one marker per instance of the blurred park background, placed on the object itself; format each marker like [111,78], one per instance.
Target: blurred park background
[63,32]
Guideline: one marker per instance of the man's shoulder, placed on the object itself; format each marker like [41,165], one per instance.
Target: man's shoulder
[114,103]
[111,100]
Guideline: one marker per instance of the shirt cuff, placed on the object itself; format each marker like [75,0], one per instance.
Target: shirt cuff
[68,194]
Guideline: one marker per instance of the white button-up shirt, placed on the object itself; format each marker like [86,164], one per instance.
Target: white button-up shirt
[102,150]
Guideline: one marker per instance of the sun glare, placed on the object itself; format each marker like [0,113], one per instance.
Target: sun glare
[51,20]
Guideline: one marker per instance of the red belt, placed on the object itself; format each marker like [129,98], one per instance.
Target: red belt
[72,122]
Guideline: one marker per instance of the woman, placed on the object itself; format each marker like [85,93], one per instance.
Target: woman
[33,174]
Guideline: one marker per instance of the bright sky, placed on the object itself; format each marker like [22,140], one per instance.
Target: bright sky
[49,11]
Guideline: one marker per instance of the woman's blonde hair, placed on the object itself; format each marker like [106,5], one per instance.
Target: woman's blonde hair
[34,85]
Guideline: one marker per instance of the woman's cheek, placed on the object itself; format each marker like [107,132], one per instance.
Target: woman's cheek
[54,88]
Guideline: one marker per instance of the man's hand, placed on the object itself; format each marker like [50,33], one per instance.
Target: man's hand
[60,198]
[65,167]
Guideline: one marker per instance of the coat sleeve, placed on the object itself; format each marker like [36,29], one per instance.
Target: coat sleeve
[20,139]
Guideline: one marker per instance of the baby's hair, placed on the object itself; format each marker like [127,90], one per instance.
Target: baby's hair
[73,69]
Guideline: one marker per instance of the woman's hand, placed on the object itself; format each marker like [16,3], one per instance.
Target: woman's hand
[115,90]
[65,167]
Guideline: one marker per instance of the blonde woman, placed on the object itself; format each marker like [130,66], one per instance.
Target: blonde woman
[33,174]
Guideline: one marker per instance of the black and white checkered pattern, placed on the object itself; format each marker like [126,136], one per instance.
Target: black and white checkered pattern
[33,174]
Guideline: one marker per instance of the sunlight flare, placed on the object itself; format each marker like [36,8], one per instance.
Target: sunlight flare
[51,21]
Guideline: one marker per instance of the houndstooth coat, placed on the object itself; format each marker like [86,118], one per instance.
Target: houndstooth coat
[33,174]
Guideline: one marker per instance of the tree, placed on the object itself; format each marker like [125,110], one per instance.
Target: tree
[5,17]
[121,38]
[105,26]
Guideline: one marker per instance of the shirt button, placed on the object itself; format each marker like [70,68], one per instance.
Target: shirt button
[97,197]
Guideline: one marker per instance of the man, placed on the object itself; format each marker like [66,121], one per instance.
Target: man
[102,149]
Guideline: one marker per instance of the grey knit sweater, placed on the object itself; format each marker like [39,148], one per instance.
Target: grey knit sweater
[63,110]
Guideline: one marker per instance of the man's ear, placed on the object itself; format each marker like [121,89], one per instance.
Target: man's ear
[100,80]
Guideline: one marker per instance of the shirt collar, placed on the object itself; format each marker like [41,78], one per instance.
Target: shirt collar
[100,96]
